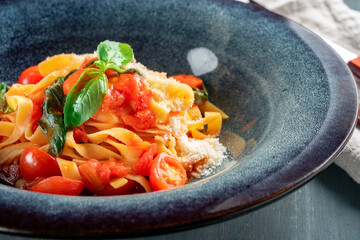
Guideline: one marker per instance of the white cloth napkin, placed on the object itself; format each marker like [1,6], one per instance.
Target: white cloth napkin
[334,20]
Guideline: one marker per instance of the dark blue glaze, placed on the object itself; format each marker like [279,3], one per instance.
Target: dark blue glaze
[301,93]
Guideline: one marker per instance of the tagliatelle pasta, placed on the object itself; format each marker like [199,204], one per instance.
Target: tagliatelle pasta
[103,124]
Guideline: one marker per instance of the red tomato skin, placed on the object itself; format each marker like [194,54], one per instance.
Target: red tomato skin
[30,75]
[144,101]
[113,100]
[88,60]
[143,119]
[80,135]
[96,175]
[128,85]
[36,163]
[59,185]
[157,180]
[71,80]
[190,80]
[89,172]
[142,166]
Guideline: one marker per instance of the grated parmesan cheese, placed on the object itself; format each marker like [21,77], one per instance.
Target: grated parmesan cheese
[191,151]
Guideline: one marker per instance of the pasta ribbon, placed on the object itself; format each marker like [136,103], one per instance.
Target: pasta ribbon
[89,150]
[24,108]
[210,125]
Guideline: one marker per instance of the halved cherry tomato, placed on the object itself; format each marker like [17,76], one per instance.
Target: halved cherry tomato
[36,163]
[142,166]
[59,185]
[190,80]
[166,173]
[30,75]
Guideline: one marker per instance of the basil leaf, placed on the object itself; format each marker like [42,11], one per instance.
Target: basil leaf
[52,119]
[201,96]
[4,106]
[85,97]
[113,54]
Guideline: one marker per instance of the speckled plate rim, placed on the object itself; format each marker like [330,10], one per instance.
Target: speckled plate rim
[195,205]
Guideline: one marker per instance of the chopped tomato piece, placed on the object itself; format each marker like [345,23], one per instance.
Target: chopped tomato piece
[59,185]
[142,166]
[37,109]
[144,101]
[30,75]
[96,175]
[36,163]
[71,80]
[143,119]
[88,60]
[128,85]
[80,134]
[166,173]
[117,169]
[190,80]
[90,173]
[113,100]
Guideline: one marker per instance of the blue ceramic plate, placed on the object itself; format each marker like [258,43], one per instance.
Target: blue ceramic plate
[267,68]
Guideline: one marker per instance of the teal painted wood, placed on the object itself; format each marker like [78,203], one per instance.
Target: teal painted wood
[354,4]
[328,207]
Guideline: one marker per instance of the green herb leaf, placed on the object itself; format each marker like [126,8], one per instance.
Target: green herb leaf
[201,96]
[85,98]
[113,54]
[4,106]
[52,119]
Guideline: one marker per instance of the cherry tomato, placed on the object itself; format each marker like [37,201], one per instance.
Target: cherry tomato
[30,75]
[59,185]
[190,80]
[142,166]
[143,119]
[36,163]
[166,173]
